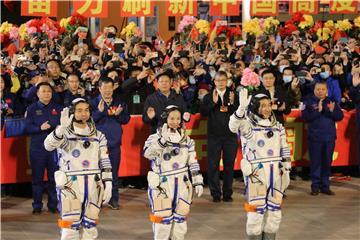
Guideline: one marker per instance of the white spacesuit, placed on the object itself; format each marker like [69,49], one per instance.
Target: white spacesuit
[170,192]
[84,170]
[265,165]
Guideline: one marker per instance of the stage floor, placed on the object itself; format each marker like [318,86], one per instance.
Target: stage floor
[304,216]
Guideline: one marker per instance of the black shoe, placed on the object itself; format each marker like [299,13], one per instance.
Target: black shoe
[328,192]
[36,211]
[314,192]
[228,199]
[114,205]
[216,199]
[53,210]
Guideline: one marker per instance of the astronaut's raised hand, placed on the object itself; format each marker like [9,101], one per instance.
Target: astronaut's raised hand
[65,122]
[199,189]
[153,180]
[244,101]
[107,192]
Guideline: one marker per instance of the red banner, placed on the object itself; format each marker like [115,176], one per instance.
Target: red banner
[181,7]
[304,6]
[344,6]
[91,8]
[15,164]
[136,8]
[225,7]
[39,8]
[264,8]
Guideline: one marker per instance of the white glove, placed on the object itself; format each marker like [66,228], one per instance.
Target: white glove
[244,101]
[153,179]
[65,121]
[246,167]
[60,179]
[199,189]
[107,192]
[169,136]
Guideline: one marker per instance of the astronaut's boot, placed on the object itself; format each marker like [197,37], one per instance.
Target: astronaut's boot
[268,236]
[254,237]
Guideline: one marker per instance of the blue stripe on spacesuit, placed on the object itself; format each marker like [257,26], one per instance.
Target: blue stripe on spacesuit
[255,199]
[266,129]
[246,184]
[151,199]
[84,139]
[70,214]
[272,179]
[175,193]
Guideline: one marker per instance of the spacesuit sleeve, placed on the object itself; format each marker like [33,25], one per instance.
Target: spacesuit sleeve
[194,166]
[153,148]
[104,160]
[284,148]
[192,160]
[52,141]
[241,124]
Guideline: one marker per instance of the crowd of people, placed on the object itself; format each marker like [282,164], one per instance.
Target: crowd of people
[120,77]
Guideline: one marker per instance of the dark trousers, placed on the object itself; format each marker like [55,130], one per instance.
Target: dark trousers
[320,163]
[358,135]
[228,146]
[114,155]
[40,160]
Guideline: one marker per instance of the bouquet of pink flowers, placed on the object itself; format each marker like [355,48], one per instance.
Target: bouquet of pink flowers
[185,27]
[250,79]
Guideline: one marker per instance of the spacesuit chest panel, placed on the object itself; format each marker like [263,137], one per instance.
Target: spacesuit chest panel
[264,143]
[174,158]
[84,155]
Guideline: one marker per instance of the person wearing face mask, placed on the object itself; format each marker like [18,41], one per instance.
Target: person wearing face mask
[187,89]
[279,97]
[173,159]
[333,88]
[340,76]
[291,83]
[265,165]
[321,114]
[218,106]
[84,177]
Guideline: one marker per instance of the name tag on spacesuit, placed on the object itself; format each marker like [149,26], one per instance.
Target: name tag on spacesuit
[223,109]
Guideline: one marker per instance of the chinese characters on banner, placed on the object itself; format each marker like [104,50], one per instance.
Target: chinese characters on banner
[140,8]
[225,7]
[39,8]
[181,7]
[91,8]
[303,6]
[264,8]
[343,7]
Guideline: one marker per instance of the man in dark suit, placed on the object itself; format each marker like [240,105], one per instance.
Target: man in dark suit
[218,106]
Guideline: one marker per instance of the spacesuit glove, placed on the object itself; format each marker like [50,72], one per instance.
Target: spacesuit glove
[153,180]
[246,167]
[199,189]
[107,192]
[60,179]
[244,101]
[285,164]
[169,135]
[65,119]
[197,178]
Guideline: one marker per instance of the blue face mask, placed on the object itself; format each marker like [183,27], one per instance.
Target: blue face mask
[324,75]
[287,79]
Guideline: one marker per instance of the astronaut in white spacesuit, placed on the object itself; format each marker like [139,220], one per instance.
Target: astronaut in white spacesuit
[265,164]
[172,155]
[84,177]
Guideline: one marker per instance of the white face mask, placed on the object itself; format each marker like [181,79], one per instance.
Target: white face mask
[229,83]
[287,79]
[212,74]
[201,97]
[192,80]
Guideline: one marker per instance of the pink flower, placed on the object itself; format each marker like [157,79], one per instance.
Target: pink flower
[14,33]
[262,23]
[250,78]
[31,30]
[186,21]
[44,28]
[53,33]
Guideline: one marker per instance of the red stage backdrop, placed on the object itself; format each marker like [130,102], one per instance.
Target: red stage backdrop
[15,164]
